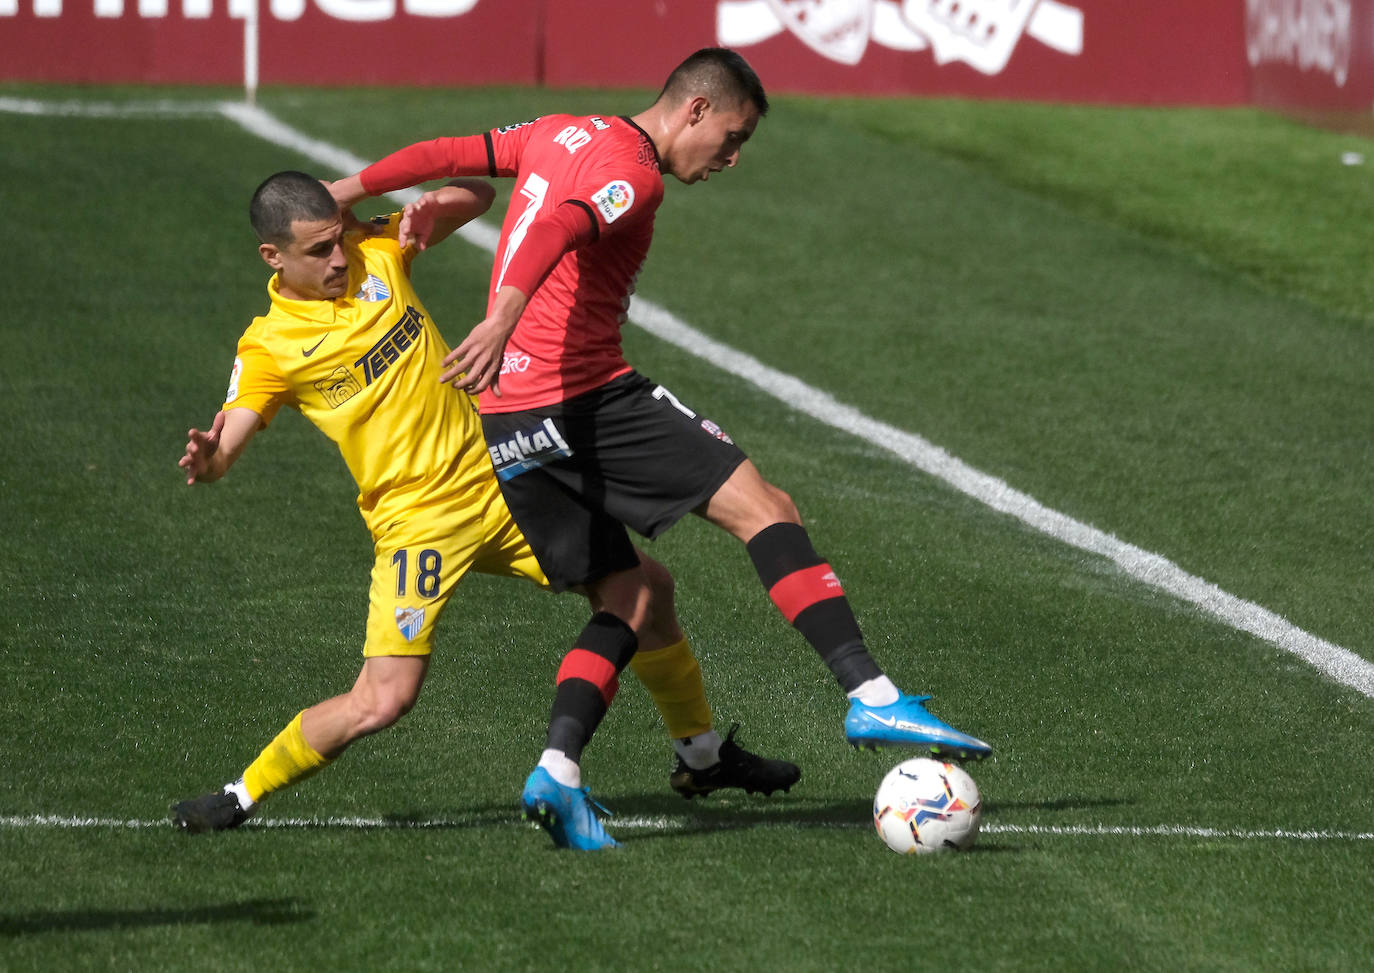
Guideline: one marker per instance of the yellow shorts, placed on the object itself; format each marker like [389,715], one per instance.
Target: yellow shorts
[420,561]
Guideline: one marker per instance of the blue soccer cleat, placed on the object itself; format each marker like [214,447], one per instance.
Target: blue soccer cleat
[906,723]
[566,813]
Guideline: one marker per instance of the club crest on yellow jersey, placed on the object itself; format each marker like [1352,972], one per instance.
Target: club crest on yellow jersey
[339,387]
[374,289]
[410,621]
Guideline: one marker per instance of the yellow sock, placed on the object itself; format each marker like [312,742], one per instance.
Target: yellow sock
[283,762]
[673,679]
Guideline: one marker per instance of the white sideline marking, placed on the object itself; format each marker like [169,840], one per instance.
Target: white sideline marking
[167,108]
[668,822]
[1339,664]
[1336,662]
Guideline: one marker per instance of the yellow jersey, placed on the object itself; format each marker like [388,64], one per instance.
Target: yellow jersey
[365,369]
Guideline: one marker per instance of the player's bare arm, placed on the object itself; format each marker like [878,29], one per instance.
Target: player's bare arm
[475,365]
[350,222]
[347,191]
[435,215]
[209,454]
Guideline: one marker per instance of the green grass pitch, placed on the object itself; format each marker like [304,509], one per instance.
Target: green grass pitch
[1159,323]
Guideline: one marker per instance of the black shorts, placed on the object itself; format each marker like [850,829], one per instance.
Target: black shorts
[576,474]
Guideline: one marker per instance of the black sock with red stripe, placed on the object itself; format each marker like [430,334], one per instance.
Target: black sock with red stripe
[587,681]
[810,597]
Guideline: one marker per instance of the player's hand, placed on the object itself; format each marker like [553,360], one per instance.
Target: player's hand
[475,365]
[417,222]
[346,191]
[200,447]
[352,224]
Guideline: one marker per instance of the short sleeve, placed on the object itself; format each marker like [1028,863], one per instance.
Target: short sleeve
[256,382]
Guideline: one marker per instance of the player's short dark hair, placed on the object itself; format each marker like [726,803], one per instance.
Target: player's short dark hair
[284,198]
[719,73]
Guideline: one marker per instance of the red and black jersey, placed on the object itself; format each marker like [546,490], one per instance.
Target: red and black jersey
[575,235]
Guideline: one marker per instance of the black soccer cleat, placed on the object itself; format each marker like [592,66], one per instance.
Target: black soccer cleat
[218,811]
[737,767]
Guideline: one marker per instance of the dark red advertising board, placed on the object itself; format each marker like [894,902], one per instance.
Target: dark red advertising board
[1290,53]
[73,43]
[1311,54]
[1163,52]
[324,42]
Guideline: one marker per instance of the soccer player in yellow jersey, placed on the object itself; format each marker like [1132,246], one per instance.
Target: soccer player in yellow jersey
[349,344]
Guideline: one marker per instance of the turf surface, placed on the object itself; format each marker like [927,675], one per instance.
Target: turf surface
[1157,322]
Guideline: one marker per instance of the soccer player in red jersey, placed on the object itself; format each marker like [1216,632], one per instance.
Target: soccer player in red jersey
[584,446]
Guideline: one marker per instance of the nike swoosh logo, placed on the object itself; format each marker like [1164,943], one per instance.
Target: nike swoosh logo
[307,352]
[890,722]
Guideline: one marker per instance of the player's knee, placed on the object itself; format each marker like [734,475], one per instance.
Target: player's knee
[628,595]
[769,505]
[661,583]
[747,504]
[780,505]
[376,709]
[660,623]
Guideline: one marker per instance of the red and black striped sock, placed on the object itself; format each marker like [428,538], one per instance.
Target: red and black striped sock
[811,598]
[587,681]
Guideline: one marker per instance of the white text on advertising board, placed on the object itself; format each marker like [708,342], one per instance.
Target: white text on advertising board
[354,10]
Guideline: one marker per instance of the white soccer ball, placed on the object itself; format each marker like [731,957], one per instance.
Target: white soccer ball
[925,805]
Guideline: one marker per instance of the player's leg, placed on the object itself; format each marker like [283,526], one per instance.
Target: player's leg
[649,459]
[800,583]
[587,681]
[668,669]
[385,690]
[415,570]
[573,544]
[631,454]
[664,662]
[561,507]
[809,595]
[589,674]
[654,459]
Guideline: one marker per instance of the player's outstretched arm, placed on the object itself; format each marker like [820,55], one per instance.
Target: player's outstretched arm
[439,158]
[436,214]
[209,454]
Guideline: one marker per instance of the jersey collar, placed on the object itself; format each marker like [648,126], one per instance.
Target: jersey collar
[658,162]
[324,312]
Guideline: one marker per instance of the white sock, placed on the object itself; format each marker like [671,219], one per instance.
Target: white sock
[560,768]
[246,803]
[881,691]
[700,751]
